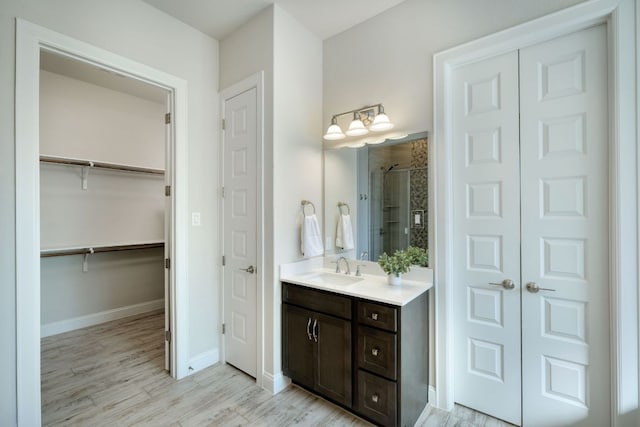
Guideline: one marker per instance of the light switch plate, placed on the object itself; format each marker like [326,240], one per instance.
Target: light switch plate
[195,219]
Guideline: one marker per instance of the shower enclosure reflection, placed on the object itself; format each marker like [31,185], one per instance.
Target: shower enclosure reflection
[397,188]
[386,187]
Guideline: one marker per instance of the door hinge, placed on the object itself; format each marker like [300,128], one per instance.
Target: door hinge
[222,192]
[224,260]
[167,190]
[167,263]
[167,335]
[224,329]
[167,118]
[224,124]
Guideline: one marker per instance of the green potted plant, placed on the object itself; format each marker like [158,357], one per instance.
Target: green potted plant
[394,265]
[419,256]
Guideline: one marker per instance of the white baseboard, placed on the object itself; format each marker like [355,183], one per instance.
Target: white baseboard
[67,325]
[274,383]
[203,360]
[432,395]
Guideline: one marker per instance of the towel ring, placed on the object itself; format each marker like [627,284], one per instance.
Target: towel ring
[343,205]
[306,203]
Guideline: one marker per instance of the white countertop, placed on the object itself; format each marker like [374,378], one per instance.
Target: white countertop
[373,286]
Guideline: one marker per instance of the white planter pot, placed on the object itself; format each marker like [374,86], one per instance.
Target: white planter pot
[394,279]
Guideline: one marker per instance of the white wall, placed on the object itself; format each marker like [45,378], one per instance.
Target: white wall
[297,155]
[291,58]
[139,32]
[86,121]
[389,59]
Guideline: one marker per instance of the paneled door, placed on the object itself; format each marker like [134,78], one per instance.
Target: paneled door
[240,231]
[487,238]
[565,240]
[531,234]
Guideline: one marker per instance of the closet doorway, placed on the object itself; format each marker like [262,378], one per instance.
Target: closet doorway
[31,40]
[104,216]
[531,238]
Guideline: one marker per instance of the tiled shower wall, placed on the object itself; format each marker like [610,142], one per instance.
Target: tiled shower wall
[418,190]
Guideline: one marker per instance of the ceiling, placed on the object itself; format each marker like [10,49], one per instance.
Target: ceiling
[93,74]
[325,18]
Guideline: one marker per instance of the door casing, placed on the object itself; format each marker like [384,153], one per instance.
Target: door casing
[620,18]
[30,40]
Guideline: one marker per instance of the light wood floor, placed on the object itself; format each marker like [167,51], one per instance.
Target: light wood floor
[112,375]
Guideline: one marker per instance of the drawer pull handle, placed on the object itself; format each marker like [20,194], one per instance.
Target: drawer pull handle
[309,328]
[374,316]
[375,351]
[375,398]
[315,330]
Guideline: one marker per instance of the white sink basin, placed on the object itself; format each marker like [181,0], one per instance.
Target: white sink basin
[331,278]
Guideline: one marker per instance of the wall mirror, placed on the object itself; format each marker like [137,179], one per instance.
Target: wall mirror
[383,189]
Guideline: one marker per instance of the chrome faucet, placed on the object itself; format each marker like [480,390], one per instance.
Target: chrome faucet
[346,262]
[364,256]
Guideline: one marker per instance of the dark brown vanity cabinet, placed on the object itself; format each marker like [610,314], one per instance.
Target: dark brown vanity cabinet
[392,383]
[317,342]
[378,355]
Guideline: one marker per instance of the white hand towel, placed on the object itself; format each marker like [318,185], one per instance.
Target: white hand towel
[310,239]
[344,233]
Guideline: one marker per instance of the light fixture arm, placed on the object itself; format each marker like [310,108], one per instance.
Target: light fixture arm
[357,110]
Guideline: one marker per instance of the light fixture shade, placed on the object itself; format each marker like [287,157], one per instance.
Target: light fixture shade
[381,123]
[334,132]
[356,127]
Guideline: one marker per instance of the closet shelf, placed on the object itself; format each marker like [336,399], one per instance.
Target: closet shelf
[102,165]
[45,253]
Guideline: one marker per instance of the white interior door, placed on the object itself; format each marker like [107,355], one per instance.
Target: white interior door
[486,245]
[565,246]
[531,205]
[240,231]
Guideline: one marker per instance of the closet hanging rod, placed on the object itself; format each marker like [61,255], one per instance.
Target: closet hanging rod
[97,249]
[103,165]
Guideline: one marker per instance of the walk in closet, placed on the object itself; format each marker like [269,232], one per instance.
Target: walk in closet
[102,195]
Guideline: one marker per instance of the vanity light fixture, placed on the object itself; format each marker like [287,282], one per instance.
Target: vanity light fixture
[356,127]
[361,124]
[334,132]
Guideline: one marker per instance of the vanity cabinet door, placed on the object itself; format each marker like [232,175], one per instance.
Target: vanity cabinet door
[298,345]
[333,353]
[316,352]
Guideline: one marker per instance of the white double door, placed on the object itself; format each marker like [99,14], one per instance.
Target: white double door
[531,276]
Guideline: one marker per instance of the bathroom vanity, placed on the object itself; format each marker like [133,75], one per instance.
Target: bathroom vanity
[362,343]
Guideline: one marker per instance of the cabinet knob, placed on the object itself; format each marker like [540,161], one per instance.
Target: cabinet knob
[375,351]
[375,398]
[374,316]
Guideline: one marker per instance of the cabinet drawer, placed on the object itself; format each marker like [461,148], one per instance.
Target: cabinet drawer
[323,302]
[377,351]
[377,398]
[378,315]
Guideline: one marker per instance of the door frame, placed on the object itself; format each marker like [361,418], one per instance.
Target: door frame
[621,19]
[254,81]
[30,40]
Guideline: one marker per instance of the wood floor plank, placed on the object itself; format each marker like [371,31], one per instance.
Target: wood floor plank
[113,375]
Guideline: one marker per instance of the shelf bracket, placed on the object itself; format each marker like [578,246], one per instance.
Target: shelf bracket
[85,260]
[85,175]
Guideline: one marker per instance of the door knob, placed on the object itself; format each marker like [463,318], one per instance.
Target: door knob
[534,288]
[506,283]
[249,269]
